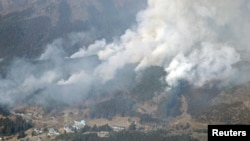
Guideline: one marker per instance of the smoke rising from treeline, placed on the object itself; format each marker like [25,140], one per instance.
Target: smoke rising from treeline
[198,41]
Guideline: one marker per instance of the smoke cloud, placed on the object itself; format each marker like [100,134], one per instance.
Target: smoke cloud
[197,41]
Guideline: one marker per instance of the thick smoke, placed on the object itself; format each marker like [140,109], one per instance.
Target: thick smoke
[197,41]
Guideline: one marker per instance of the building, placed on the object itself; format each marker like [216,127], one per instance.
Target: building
[52,132]
[118,128]
[79,124]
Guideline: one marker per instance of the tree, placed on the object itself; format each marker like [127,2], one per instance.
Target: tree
[132,126]
[21,135]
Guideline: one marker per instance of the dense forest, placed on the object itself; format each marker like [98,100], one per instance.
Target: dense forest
[11,127]
[4,111]
[118,105]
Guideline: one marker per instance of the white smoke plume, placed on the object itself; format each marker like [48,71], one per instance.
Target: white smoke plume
[193,40]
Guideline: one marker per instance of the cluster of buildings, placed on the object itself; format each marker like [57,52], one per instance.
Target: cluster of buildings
[54,132]
[76,126]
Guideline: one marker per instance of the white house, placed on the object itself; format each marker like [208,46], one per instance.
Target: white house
[52,132]
[79,124]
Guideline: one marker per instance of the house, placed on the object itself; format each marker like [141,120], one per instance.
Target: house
[118,128]
[52,132]
[103,134]
[79,124]
[37,131]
